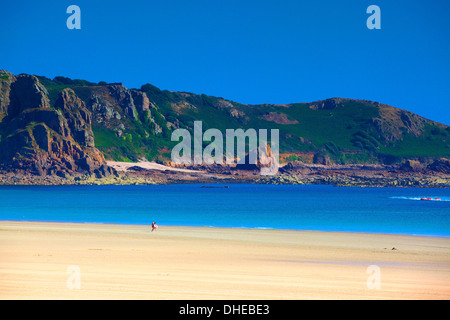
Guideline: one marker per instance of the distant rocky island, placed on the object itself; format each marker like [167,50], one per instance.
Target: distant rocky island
[63,131]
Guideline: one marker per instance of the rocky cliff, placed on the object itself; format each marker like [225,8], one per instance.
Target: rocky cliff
[44,139]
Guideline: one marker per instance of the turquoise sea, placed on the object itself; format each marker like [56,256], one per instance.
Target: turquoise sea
[297,207]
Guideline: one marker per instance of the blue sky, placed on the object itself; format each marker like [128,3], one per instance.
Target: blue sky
[249,51]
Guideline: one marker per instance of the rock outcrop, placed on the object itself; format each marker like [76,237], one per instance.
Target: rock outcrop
[124,99]
[392,124]
[6,78]
[41,139]
[142,104]
[328,104]
[441,165]
[411,166]
[114,106]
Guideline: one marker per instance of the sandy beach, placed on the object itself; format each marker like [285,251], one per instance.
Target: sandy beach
[124,166]
[99,261]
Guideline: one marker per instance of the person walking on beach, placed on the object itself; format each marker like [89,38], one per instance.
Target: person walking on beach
[154,226]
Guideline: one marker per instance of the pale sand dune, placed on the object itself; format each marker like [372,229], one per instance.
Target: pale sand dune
[130,262]
[123,166]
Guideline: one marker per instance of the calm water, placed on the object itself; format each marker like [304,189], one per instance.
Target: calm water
[312,207]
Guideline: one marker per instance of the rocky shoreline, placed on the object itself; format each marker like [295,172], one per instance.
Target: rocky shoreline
[293,173]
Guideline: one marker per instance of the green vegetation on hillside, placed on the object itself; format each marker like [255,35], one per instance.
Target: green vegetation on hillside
[344,130]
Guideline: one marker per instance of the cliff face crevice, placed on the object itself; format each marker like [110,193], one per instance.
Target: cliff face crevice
[42,139]
[78,118]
